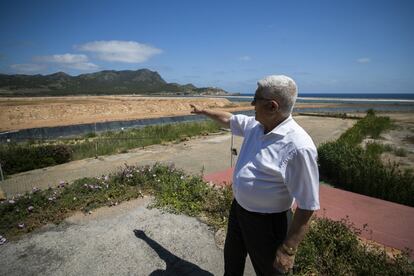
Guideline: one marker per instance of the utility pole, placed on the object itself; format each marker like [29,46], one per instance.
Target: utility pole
[1,172]
[96,143]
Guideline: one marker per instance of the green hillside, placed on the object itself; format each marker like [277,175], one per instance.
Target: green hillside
[108,82]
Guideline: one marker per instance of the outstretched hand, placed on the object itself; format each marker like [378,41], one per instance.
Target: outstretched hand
[196,109]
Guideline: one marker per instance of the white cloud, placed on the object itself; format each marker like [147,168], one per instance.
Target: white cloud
[28,68]
[65,58]
[245,58]
[83,66]
[364,60]
[121,51]
[78,62]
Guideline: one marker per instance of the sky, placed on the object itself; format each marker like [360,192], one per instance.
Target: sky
[326,46]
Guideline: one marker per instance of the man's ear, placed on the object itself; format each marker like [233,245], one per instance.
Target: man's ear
[274,105]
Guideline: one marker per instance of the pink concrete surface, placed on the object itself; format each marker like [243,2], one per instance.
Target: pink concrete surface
[388,223]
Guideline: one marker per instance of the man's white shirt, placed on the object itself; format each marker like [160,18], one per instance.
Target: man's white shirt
[275,169]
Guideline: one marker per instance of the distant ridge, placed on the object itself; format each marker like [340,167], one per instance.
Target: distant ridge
[107,82]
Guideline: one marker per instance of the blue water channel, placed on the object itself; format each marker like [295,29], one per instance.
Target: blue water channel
[99,127]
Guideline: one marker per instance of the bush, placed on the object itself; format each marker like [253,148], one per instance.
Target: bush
[375,149]
[333,248]
[400,152]
[90,135]
[18,158]
[370,125]
[347,165]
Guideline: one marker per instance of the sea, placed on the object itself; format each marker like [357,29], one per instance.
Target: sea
[351,102]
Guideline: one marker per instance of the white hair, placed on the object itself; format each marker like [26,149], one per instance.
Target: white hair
[281,88]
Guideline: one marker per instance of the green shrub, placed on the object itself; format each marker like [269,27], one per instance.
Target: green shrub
[90,135]
[333,248]
[375,149]
[400,152]
[16,158]
[370,125]
[347,165]
[114,142]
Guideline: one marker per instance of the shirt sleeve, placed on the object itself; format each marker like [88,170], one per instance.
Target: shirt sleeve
[302,178]
[240,123]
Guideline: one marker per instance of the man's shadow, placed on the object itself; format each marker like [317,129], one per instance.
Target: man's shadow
[175,265]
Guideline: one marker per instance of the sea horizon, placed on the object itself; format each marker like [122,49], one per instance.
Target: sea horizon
[388,96]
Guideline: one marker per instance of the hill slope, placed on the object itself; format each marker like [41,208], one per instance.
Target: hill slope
[106,82]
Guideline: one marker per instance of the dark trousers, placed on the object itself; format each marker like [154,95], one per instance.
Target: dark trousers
[256,234]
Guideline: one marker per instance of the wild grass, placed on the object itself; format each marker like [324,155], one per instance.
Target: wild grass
[370,126]
[331,115]
[115,142]
[345,164]
[34,154]
[333,248]
[330,248]
[16,158]
[400,152]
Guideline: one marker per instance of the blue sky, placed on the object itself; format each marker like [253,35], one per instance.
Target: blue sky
[329,46]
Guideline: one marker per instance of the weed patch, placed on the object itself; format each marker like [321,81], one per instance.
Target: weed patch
[16,158]
[347,165]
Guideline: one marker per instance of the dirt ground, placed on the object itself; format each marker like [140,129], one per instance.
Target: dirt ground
[24,113]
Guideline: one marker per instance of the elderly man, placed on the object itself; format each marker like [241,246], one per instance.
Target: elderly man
[277,166]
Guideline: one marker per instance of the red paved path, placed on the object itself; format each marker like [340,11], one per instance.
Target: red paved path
[388,223]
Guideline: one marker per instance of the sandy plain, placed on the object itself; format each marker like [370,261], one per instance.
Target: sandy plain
[34,112]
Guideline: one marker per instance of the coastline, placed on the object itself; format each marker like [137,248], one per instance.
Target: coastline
[330,99]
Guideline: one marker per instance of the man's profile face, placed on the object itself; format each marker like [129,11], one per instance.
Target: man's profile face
[260,103]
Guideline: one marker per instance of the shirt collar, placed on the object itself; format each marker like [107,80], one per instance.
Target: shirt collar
[283,128]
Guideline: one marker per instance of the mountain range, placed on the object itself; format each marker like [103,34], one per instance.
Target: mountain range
[108,82]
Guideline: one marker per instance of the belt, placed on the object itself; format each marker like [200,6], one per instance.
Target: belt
[259,214]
